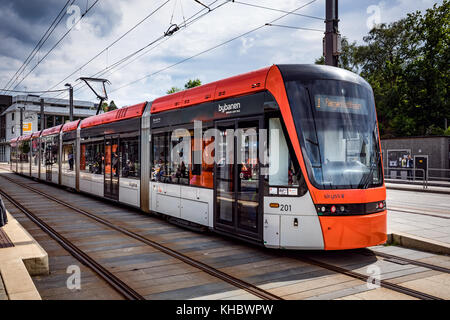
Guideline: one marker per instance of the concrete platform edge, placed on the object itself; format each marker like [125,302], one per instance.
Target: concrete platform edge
[17,264]
[418,243]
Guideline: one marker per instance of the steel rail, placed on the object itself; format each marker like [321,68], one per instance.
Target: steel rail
[261,293]
[409,261]
[81,256]
[356,275]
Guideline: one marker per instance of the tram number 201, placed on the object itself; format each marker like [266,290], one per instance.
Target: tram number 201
[285,208]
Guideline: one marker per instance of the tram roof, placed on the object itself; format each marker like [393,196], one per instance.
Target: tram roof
[71,126]
[52,130]
[134,111]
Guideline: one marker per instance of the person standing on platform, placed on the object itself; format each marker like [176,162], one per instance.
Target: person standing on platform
[410,166]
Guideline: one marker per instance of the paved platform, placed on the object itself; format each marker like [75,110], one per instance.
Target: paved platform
[419,220]
[19,262]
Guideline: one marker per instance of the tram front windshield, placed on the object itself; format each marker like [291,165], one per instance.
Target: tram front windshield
[337,128]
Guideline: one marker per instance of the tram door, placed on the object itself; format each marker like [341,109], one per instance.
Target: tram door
[238,208]
[111,185]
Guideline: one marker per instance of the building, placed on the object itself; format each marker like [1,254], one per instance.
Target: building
[430,154]
[56,112]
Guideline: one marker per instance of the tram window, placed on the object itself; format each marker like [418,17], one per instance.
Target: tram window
[160,152]
[91,157]
[173,157]
[202,174]
[180,157]
[54,147]
[68,157]
[34,151]
[129,149]
[282,170]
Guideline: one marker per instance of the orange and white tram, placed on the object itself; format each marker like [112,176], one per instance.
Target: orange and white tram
[287,157]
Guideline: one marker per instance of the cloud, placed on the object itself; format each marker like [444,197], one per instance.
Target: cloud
[22,23]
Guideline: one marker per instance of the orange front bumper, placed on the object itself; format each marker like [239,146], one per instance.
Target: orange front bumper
[353,232]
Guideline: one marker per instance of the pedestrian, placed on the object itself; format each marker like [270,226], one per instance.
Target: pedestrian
[71,161]
[410,166]
[3,217]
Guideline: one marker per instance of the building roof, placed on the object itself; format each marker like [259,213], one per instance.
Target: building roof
[52,106]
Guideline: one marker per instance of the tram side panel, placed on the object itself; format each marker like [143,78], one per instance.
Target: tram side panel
[35,156]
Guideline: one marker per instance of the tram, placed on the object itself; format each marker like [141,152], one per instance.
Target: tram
[287,157]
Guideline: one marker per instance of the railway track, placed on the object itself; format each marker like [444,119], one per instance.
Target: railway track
[395,258]
[263,294]
[121,287]
[383,283]
[109,277]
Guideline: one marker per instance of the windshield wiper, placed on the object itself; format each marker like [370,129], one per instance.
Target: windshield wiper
[366,179]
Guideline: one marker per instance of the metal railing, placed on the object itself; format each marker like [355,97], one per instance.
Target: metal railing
[409,177]
[427,177]
[442,177]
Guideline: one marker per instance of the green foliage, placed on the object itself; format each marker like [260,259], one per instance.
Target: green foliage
[105,106]
[347,59]
[407,65]
[192,84]
[447,132]
[188,85]
[173,90]
[110,107]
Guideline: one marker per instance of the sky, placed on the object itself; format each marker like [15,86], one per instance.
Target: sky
[161,65]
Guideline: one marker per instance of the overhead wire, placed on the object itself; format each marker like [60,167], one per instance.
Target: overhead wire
[112,43]
[56,44]
[37,47]
[278,10]
[187,23]
[214,47]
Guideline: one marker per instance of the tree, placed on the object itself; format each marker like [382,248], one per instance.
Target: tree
[192,84]
[173,90]
[105,106]
[188,85]
[110,107]
[347,60]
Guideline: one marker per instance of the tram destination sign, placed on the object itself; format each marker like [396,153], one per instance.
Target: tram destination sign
[340,104]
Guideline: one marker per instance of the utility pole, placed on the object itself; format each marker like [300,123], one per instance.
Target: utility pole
[332,39]
[42,114]
[21,120]
[70,101]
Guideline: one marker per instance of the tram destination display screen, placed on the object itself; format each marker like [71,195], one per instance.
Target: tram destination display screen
[328,103]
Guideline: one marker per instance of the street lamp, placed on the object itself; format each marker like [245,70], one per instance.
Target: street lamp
[70,100]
